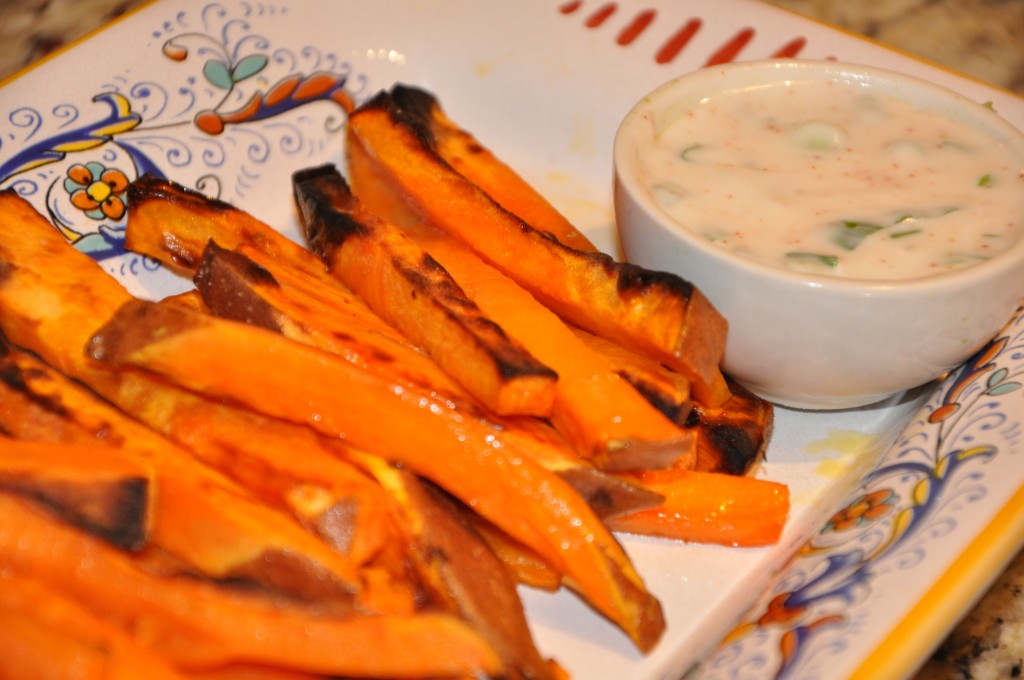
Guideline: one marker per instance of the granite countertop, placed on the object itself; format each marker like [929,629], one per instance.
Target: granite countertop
[981,38]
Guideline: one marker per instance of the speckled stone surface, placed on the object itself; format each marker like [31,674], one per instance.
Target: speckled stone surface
[981,38]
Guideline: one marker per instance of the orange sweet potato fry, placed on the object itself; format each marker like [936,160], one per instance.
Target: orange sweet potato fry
[465,455]
[235,292]
[665,389]
[406,288]
[450,557]
[460,149]
[45,635]
[51,297]
[594,408]
[654,312]
[235,286]
[95,488]
[326,493]
[154,203]
[525,565]
[709,507]
[199,625]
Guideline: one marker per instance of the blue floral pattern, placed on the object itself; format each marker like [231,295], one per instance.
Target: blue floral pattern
[234,89]
[919,493]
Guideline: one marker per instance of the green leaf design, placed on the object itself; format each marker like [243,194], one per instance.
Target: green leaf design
[218,74]
[248,67]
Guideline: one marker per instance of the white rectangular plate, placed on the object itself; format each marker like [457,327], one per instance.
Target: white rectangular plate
[232,97]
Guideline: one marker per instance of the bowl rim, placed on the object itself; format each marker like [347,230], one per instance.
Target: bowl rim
[867,76]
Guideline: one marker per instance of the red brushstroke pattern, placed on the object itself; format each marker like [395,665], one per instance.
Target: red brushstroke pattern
[640,22]
[730,50]
[674,45]
[601,15]
[678,41]
[790,49]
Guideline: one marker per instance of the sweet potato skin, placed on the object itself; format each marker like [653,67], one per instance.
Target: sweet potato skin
[450,556]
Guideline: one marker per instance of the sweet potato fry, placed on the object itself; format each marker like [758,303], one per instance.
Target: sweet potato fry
[198,625]
[708,507]
[327,494]
[595,409]
[94,488]
[176,225]
[479,165]
[45,635]
[665,389]
[597,412]
[732,438]
[225,278]
[50,297]
[525,565]
[466,456]
[173,224]
[655,312]
[235,286]
[154,203]
[199,518]
[409,290]
[451,557]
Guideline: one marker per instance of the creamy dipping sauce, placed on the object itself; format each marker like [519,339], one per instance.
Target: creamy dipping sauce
[836,180]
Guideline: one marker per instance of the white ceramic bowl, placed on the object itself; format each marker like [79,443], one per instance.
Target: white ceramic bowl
[820,342]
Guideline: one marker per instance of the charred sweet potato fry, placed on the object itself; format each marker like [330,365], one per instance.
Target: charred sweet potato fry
[479,165]
[95,488]
[51,298]
[655,312]
[154,203]
[335,398]
[226,277]
[325,493]
[732,438]
[407,288]
[597,412]
[198,625]
[234,286]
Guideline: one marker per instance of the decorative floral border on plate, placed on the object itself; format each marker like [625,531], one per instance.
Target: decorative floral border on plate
[916,495]
[235,90]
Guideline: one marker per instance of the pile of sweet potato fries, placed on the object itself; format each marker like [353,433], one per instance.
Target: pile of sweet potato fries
[344,460]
